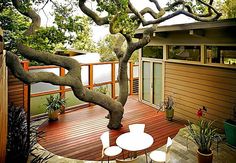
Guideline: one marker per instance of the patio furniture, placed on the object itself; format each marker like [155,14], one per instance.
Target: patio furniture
[137,128]
[135,141]
[160,156]
[108,150]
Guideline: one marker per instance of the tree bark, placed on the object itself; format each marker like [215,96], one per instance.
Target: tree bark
[123,82]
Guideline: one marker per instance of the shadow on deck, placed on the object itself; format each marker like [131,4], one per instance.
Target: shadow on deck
[77,134]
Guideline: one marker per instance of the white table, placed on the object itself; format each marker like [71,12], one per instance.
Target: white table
[135,141]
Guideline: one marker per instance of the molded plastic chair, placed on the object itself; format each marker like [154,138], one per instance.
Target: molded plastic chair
[137,128]
[108,150]
[160,156]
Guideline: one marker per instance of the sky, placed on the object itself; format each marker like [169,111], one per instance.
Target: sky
[100,31]
[139,5]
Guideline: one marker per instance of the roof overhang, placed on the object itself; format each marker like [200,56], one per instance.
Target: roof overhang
[193,28]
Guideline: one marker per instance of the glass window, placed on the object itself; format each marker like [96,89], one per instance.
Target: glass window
[189,53]
[153,52]
[221,54]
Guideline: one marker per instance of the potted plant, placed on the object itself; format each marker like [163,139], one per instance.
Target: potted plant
[168,104]
[230,129]
[53,106]
[168,107]
[203,134]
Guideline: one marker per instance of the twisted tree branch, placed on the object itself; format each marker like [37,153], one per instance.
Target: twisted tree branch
[98,20]
[36,20]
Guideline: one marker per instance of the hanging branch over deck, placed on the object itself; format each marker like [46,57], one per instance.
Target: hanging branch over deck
[122,17]
[72,78]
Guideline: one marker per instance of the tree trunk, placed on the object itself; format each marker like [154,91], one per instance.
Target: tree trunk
[114,107]
[123,82]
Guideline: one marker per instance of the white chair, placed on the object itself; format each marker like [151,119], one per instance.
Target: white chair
[108,150]
[137,128]
[160,156]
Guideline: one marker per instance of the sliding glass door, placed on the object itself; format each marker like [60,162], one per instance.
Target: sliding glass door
[146,84]
[152,76]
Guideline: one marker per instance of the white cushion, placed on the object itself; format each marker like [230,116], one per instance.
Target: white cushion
[158,156]
[112,151]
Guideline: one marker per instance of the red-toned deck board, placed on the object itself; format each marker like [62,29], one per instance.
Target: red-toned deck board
[77,134]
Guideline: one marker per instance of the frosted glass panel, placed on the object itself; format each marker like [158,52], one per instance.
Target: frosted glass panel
[116,70]
[71,100]
[157,83]
[136,74]
[146,81]
[44,87]
[102,73]
[84,75]
[106,89]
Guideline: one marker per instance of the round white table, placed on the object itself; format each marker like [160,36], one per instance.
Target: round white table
[135,141]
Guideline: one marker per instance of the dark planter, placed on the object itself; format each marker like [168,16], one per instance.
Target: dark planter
[230,132]
[169,114]
[204,158]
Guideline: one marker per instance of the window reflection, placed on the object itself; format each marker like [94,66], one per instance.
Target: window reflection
[153,52]
[221,54]
[189,53]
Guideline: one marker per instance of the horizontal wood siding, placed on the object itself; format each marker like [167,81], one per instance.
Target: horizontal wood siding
[15,90]
[195,86]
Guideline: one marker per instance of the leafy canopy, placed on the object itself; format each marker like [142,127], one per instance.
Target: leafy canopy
[68,30]
[105,49]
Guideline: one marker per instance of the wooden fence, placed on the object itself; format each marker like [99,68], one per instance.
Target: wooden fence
[3,101]
[18,92]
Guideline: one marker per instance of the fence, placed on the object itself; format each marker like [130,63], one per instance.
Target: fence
[94,76]
[3,101]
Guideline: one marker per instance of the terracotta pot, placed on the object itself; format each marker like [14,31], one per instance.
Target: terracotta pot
[204,158]
[53,116]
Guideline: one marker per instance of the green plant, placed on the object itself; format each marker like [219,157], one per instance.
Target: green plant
[169,103]
[166,105]
[202,133]
[20,143]
[54,103]
[102,89]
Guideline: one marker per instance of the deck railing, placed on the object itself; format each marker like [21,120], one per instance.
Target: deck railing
[91,77]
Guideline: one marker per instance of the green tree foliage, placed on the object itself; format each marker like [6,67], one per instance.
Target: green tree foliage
[84,38]
[13,24]
[105,49]
[228,8]
[67,30]
[116,10]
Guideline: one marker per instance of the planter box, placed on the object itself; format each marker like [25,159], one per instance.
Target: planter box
[230,132]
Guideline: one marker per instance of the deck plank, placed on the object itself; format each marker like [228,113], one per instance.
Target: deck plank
[77,134]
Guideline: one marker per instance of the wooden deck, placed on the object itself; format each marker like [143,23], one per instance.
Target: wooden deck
[77,134]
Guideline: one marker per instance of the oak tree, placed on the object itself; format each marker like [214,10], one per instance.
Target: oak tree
[122,17]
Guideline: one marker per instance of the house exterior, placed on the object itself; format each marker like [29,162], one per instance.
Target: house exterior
[195,64]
